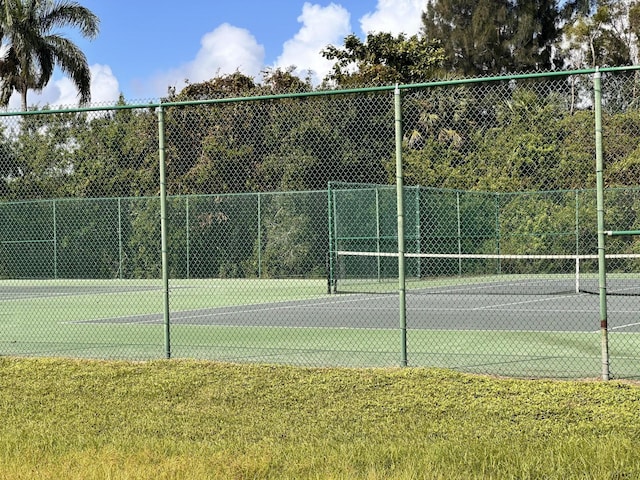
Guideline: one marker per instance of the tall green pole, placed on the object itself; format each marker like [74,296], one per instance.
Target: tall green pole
[400,206]
[417,230]
[330,246]
[378,233]
[577,208]
[163,234]
[120,238]
[602,259]
[498,237]
[259,235]
[55,241]
[459,219]
[188,237]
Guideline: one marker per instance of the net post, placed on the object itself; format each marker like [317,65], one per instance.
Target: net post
[602,269]
[400,208]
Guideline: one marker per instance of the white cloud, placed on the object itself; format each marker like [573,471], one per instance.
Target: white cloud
[104,88]
[227,49]
[104,85]
[394,16]
[321,26]
[61,92]
[224,50]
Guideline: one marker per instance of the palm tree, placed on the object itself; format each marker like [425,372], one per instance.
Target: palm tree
[32,48]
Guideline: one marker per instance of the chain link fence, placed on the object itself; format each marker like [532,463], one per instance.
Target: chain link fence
[265,228]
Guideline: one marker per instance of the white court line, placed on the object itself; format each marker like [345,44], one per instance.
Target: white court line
[624,326]
[524,302]
[103,320]
[213,313]
[272,306]
[208,312]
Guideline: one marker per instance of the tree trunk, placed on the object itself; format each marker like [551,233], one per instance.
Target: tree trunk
[23,95]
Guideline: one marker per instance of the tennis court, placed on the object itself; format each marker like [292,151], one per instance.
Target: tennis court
[573,313]
[297,322]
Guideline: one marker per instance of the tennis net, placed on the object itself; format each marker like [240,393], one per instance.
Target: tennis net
[478,274]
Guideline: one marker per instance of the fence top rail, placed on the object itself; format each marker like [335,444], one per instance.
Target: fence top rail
[386,88]
[156,197]
[343,187]
[615,233]
[349,186]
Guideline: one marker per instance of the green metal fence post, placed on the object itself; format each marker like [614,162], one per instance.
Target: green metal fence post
[163,232]
[498,238]
[259,246]
[187,221]
[418,247]
[119,238]
[55,242]
[577,205]
[459,220]
[330,251]
[602,260]
[378,233]
[400,207]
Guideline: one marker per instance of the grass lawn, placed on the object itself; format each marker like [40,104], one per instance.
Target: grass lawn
[79,419]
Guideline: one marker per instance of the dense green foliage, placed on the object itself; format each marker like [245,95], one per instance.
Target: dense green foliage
[606,36]
[69,419]
[487,137]
[489,36]
[536,135]
[384,59]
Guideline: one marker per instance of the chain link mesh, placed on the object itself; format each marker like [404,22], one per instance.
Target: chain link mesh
[282,228]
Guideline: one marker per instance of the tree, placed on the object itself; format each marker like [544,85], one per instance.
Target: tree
[535,33]
[116,155]
[572,9]
[33,48]
[606,35]
[44,149]
[223,86]
[491,37]
[277,81]
[384,59]
[214,149]
[472,33]
[294,240]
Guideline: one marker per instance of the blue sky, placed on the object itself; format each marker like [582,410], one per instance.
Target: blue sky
[145,46]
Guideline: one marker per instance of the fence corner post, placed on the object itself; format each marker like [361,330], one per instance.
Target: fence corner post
[602,260]
[400,208]
[163,232]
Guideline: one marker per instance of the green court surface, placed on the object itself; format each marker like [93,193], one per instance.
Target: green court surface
[297,322]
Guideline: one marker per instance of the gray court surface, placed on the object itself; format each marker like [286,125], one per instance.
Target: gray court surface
[561,313]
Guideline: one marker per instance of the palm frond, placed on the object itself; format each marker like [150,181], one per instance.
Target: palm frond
[34,48]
